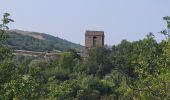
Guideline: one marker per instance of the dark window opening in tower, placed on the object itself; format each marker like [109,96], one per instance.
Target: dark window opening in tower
[94,41]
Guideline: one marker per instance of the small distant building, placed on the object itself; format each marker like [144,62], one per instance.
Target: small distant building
[93,39]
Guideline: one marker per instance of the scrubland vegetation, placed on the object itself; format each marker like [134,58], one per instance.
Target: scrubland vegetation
[137,70]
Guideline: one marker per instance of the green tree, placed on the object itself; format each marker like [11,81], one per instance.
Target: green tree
[7,68]
[121,56]
[98,62]
[152,69]
[4,50]
[65,91]
[14,84]
[166,31]
[68,60]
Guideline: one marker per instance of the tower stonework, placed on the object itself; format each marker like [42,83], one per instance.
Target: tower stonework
[93,39]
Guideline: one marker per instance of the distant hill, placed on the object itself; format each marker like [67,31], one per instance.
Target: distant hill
[34,41]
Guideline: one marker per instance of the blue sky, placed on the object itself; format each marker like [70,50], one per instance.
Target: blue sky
[69,19]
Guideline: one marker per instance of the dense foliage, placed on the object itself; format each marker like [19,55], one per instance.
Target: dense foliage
[129,71]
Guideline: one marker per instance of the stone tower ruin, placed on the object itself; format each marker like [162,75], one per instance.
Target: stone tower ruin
[93,39]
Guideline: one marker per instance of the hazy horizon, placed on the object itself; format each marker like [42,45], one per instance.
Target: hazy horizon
[131,20]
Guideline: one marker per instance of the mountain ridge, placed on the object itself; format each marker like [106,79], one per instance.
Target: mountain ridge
[35,41]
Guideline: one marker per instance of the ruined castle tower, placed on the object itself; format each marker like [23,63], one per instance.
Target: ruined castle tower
[93,39]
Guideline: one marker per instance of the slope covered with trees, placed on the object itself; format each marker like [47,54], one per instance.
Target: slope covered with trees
[130,71]
[33,41]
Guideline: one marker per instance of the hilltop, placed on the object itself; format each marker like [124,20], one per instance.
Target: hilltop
[34,41]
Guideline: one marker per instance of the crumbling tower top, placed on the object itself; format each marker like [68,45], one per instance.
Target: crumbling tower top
[94,39]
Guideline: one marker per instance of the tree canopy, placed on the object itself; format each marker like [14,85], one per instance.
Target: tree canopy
[137,70]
